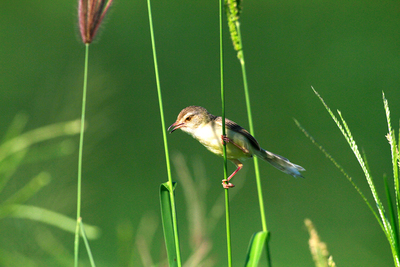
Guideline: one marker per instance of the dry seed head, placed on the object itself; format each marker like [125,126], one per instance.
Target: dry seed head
[91,14]
[318,248]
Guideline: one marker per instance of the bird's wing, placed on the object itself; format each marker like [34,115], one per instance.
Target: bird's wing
[233,126]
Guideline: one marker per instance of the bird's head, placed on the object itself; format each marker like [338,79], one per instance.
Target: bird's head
[190,119]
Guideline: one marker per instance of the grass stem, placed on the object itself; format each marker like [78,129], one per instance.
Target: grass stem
[80,156]
[388,225]
[233,11]
[251,129]
[160,102]
[85,240]
[227,208]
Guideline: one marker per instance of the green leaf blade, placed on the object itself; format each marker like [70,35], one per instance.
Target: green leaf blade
[167,222]
[256,245]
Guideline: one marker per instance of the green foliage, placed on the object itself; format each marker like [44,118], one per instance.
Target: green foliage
[14,149]
[389,227]
[233,10]
[168,223]
[202,220]
[225,166]
[257,242]
[164,132]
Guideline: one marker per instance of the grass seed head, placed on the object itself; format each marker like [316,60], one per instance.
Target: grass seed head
[91,14]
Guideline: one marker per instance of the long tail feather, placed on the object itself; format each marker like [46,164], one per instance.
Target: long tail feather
[281,163]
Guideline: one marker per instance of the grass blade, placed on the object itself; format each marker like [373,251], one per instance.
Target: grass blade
[341,170]
[167,221]
[392,213]
[343,127]
[15,144]
[25,140]
[164,133]
[16,127]
[51,218]
[385,224]
[395,155]
[29,190]
[256,246]
[9,166]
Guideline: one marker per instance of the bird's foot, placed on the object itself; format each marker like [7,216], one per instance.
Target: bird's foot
[226,184]
[225,139]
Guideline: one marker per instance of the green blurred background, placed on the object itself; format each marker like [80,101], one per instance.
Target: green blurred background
[349,51]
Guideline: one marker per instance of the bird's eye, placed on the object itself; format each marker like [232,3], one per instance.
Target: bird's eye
[189,118]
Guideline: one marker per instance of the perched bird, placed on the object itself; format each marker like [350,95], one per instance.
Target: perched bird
[240,144]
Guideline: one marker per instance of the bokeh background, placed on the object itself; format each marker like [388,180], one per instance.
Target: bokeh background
[349,51]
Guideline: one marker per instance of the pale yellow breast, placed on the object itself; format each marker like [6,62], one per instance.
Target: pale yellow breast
[210,136]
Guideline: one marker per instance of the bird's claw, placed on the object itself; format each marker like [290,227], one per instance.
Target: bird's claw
[225,139]
[226,184]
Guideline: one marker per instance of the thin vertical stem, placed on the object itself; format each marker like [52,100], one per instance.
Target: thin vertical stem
[228,228]
[227,208]
[160,102]
[251,128]
[80,156]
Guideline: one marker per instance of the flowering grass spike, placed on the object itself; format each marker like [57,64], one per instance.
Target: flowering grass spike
[91,13]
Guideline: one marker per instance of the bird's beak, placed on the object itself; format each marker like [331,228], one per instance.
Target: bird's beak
[175,126]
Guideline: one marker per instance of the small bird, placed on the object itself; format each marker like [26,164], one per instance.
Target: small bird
[240,144]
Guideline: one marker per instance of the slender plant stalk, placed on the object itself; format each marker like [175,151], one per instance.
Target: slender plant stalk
[251,128]
[227,208]
[79,187]
[85,239]
[388,225]
[234,27]
[228,228]
[233,11]
[256,168]
[91,14]
[337,165]
[160,102]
